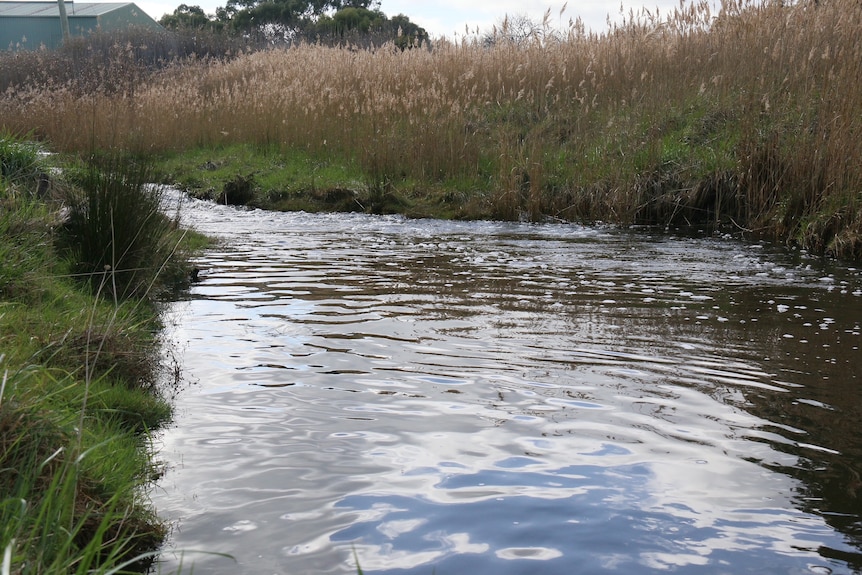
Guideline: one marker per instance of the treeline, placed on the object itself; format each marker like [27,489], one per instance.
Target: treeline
[285,21]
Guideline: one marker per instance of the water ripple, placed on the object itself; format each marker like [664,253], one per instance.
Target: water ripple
[493,397]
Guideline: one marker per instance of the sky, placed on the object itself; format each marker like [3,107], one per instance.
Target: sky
[450,17]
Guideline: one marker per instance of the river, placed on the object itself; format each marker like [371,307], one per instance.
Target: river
[493,398]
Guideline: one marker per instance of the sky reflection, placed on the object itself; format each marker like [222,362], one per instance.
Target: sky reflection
[490,398]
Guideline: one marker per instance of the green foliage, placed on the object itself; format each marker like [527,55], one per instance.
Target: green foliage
[291,14]
[78,397]
[351,19]
[358,25]
[279,21]
[20,158]
[117,232]
[189,17]
[69,499]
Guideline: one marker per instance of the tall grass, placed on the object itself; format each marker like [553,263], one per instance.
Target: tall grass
[116,230]
[70,504]
[78,394]
[748,116]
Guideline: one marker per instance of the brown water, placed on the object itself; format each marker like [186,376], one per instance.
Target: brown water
[503,398]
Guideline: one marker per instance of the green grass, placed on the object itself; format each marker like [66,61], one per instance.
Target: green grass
[74,426]
[293,180]
[71,499]
[80,372]
[19,158]
[277,175]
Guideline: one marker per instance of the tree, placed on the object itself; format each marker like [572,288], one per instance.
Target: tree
[407,34]
[348,20]
[357,22]
[247,15]
[363,26]
[187,17]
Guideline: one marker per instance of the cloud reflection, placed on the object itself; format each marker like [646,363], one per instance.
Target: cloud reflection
[386,556]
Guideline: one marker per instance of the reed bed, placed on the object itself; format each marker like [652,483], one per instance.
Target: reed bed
[747,117]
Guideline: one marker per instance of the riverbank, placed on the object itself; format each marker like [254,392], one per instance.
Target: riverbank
[746,119]
[83,383]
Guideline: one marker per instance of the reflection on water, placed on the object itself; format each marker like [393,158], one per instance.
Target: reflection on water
[510,398]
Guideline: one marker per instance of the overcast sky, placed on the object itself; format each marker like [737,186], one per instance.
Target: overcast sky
[450,17]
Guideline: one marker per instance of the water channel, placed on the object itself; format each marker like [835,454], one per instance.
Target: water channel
[508,398]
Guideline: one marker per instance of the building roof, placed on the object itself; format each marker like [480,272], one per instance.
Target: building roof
[52,10]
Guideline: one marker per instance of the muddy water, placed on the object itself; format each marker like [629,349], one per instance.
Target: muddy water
[500,398]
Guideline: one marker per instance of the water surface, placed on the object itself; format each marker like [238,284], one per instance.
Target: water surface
[502,398]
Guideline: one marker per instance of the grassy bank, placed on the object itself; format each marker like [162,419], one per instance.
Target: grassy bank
[748,118]
[79,361]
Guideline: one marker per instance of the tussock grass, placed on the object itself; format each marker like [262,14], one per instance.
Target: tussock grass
[746,117]
[116,230]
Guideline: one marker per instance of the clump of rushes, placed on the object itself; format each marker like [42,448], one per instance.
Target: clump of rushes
[78,397]
[116,230]
[747,117]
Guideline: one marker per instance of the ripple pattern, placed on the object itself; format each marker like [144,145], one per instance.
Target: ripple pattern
[482,397]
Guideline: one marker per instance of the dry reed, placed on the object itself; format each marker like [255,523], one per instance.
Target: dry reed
[757,104]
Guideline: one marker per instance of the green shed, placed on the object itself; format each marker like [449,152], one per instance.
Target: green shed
[31,25]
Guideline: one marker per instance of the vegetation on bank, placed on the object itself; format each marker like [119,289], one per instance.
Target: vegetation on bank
[82,259]
[746,119]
